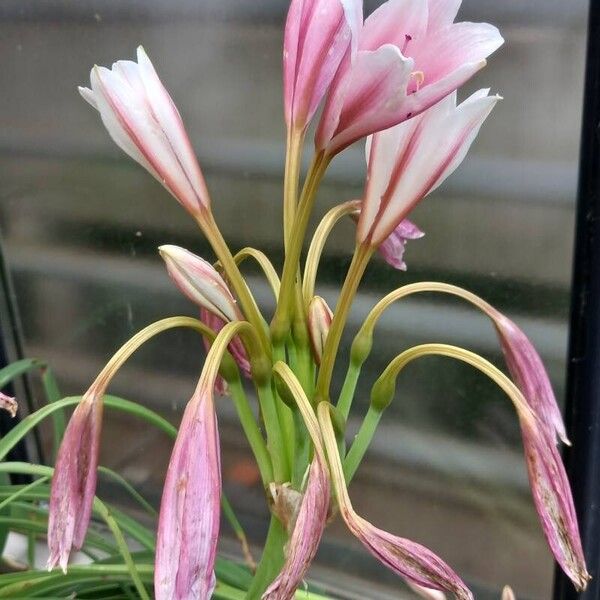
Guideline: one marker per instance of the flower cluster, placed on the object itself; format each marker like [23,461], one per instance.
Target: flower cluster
[392,80]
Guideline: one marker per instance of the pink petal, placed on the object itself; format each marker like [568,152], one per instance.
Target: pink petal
[368,98]
[450,48]
[528,372]
[74,482]
[306,535]
[395,22]
[442,13]
[553,501]
[188,526]
[318,35]
[392,249]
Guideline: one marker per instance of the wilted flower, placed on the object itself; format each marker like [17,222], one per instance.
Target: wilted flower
[407,162]
[318,35]
[200,282]
[74,481]
[319,322]
[553,500]
[188,526]
[142,119]
[392,248]
[528,372]
[410,56]
[306,533]
[9,404]
[410,560]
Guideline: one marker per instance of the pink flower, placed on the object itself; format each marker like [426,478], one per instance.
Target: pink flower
[9,404]
[407,162]
[236,348]
[200,282]
[319,322]
[318,35]
[410,56]
[74,481]
[142,119]
[553,500]
[188,526]
[306,534]
[392,248]
[528,372]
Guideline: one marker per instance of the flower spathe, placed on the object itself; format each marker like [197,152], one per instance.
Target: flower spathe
[74,481]
[306,534]
[188,526]
[318,35]
[410,160]
[200,282]
[410,56]
[143,121]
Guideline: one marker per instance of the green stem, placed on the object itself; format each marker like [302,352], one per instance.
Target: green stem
[302,451]
[282,320]
[361,443]
[237,529]
[251,430]
[274,426]
[271,560]
[348,389]
[249,306]
[360,260]
[293,155]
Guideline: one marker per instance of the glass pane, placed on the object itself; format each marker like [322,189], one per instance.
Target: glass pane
[81,224]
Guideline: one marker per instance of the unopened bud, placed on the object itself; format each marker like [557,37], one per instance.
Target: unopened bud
[383,392]
[319,322]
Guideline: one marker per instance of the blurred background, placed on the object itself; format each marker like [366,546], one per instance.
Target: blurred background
[81,222]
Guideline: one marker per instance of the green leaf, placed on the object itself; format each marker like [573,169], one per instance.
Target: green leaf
[18,368]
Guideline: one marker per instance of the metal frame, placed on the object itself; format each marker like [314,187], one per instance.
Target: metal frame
[583,377]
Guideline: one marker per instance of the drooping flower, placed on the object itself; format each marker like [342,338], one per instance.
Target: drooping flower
[528,372]
[319,322]
[318,35]
[200,282]
[74,481]
[188,526]
[143,120]
[410,160]
[415,563]
[306,533]
[9,404]
[553,499]
[410,56]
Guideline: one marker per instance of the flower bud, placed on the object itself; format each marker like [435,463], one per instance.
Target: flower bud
[200,282]
[319,322]
[507,593]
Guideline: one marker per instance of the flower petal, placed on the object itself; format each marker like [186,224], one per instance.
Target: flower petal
[392,249]
[442,13]
[9,404]
[368,99]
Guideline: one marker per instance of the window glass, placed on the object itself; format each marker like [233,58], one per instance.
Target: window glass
[81,224]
